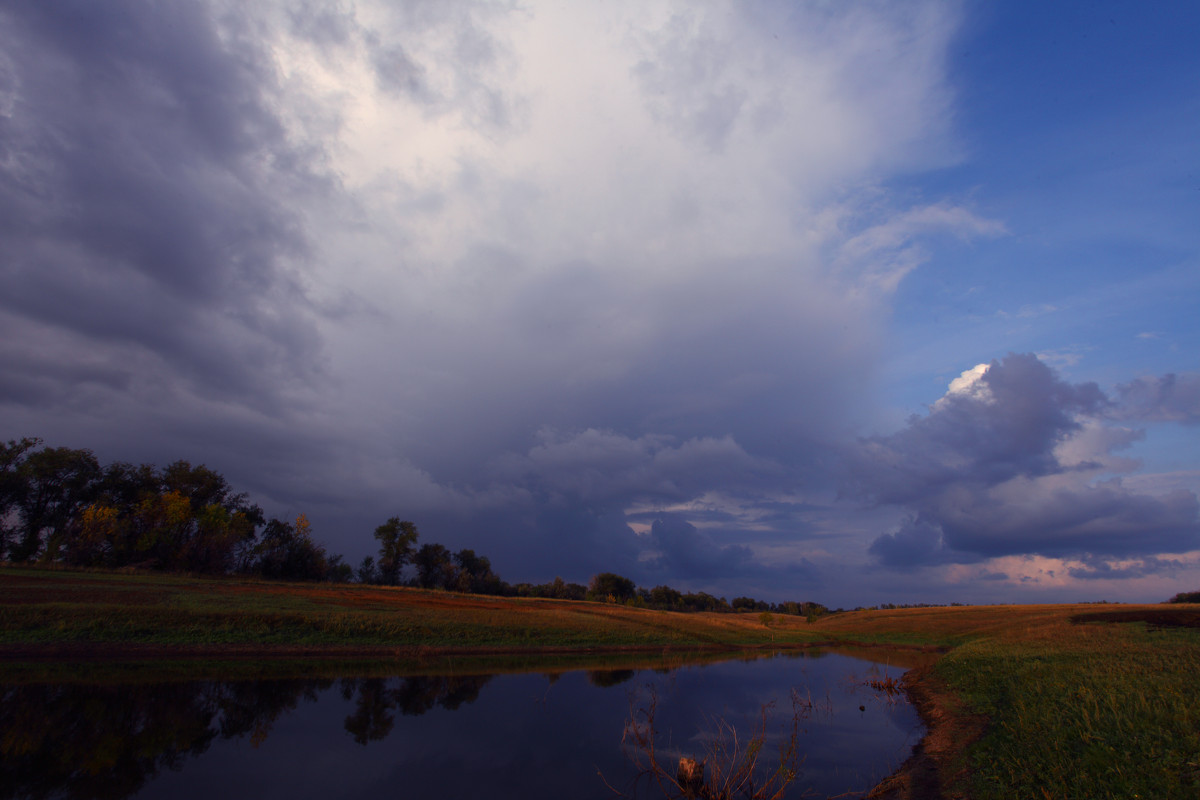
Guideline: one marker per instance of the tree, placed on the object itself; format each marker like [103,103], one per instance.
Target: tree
[435,567]
[396,542]
[201,485]
[558,589]
[224,521]
[14,484]
[475,574]
[182,518]
[702,601]
[366,571]
[55,483]
[337,571]
[161,526]
[610,587]
[561,590]
[665,597]
[749,604]
[96,529]
[287,551]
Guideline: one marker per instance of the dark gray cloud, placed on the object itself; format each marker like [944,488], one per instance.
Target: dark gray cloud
[917,542]
[601,467]
[986,473]
[140,201]
[679,549]
[1171,398]
[1094,568]
[569,502]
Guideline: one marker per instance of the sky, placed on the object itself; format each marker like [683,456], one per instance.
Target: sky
[847,302]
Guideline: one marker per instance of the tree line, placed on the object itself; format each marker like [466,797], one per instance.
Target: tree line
[60,505]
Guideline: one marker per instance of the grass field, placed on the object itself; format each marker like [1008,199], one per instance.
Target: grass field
[100,610]
[1073,701]
[1076,702]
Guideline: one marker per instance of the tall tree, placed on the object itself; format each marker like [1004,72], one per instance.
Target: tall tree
[396,543]
[288,551]
[435,567]
[475,574]
[366,571]
[57,482]
[13,486]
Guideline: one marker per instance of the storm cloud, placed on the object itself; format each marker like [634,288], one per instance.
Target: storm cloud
[602,286]
[143,235]
[1014,460]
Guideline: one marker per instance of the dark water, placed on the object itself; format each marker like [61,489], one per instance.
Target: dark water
[508,736]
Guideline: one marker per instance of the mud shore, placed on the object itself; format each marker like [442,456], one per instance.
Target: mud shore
[937,768]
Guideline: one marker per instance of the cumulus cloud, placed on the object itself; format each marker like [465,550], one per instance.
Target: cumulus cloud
[1014,460]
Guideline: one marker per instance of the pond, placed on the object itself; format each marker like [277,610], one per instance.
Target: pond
[526,735]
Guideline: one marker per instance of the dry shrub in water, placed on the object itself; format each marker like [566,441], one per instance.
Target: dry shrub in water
[729,765]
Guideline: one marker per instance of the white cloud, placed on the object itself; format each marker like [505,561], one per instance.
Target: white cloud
[968,385]
[883,254]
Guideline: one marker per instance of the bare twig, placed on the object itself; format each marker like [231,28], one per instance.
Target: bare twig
[730,764]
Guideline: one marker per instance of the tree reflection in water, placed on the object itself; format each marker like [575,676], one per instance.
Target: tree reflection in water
[377,698]
[84,741]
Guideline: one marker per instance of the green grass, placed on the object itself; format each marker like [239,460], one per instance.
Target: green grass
[1089,711]
[1069,720]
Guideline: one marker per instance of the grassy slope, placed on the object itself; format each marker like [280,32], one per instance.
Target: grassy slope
[51,607]
[1089,711]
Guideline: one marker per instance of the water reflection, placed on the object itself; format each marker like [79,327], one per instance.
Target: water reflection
[377,698]
[108,741]
[521,736]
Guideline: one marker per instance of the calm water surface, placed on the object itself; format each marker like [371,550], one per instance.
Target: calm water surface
[530,735]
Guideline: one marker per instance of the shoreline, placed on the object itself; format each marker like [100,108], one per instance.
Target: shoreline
[936,770]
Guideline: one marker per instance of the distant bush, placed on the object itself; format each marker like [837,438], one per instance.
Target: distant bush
[1186,597]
